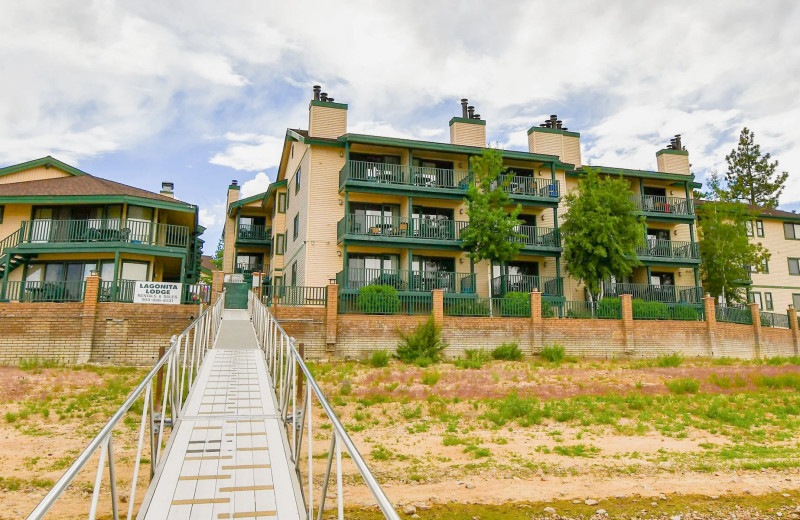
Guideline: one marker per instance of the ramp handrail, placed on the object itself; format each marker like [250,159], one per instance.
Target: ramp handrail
[181,360]
[283,361]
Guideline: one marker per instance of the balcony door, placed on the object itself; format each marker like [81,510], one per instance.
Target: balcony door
[378,168]
[527,228]
[433,272]
[658,242]
[433,222]
[252,228]
[365,270]
[248,263]
[375,219]
[140,223]
[433,173]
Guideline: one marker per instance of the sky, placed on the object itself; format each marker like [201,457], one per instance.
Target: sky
[200,92]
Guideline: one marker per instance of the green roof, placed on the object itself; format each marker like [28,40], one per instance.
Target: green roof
[44,161]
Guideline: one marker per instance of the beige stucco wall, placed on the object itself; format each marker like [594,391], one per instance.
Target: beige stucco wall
[13,216]
[778,281]
[468,134]
[297,205]
[673,163]
[34,174]
[229,233]
[566,147]
[326,121]
[326,208]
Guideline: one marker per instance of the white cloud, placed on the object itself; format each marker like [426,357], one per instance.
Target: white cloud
[207,218]
[257,184]
[249,152]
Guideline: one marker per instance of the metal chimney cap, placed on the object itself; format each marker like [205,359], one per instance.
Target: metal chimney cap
[167,186]
[234,182]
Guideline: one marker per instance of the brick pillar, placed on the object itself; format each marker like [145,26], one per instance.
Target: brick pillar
[627,321]
[710,305]
[217,281]
[537,328]
[331,316]
[795,329]
[438,306]
[88,315]
[755,312]
[259,285]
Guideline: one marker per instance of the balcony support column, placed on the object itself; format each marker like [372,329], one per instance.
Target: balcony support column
[346,208]
[696,277]
[649,280]
[183,269]
[5,277]
[116,277]
[410,210]
[410,179]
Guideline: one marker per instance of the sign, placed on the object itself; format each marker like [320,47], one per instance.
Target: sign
[164,293]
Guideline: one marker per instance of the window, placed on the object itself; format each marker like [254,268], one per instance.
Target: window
[297,179]
[749,225]
[135,271]
[760,228]
[280,243]
[796,301]
[755,297]
[791,231]
[296,226]
[2,210]
[794,266]
[764,267]
[281,203]
[768,300]
[294,274]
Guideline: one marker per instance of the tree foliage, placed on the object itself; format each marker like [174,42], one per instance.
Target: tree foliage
[751,176]
[218,254]
[601,230]
[725,248]
[491,233]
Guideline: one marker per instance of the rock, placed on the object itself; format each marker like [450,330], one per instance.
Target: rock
[415,516]
[550,510]
[714,497]
[601,512]
[676,517]
[470,485]
[576,501]
[422,506]
[409,509]
[662,496]
[590,502]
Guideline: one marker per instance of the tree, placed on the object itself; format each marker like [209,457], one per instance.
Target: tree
[601,230]
[218,254]
[491,234]
[751,176]
[725,248]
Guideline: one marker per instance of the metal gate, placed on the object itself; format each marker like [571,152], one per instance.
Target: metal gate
[236,295]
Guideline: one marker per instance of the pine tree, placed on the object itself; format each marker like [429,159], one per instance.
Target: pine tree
[752,177]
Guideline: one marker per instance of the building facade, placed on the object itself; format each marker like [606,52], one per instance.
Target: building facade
[58,224]
[363,209]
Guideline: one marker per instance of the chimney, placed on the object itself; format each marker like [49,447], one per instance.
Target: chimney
[553,138]
[326,118]
[674,158]
[469,129]
[230,231]
[167,189]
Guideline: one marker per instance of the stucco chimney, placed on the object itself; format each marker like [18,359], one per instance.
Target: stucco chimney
[469,129]
[552,138]
[326,118]
[674,158]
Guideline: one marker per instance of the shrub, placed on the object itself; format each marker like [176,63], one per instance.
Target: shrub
[473,359]
[467,307]
[423,346]
[609,308]
[554,353]
[378,299]
[661,311]
[548,309]
[431,377]
[379,359]
[515,304]
[673,360]
[507,352]
[683,385]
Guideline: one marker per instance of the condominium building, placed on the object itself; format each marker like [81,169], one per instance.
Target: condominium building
[58,224]
[363,209]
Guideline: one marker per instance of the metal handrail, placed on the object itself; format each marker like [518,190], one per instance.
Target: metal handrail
[181,370]
[283,361]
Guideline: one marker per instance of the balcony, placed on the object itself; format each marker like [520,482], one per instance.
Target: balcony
[655,293]
[548,285]
[669,251]
[380,177]
[97,234]
[530,188]
[659,206]
[254,234]
[355,278]
[538,238]
[420,231]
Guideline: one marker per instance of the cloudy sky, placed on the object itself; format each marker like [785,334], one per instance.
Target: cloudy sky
[201,92]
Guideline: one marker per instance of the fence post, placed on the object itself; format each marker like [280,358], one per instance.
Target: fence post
[90,297]
[331,316]
[438,306]
[626,304]
[537,329]
[258,288]
[217,281]
[755,312]
[794,326]
[710,306]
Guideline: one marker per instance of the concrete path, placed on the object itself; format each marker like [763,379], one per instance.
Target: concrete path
[227,458]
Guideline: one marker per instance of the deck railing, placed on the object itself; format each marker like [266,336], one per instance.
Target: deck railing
[295,295]
[486,307]
[181,361]
[403,280]
[254,232]
[529,186]
[741,315]
[8,242]
[296,389]
[669,249]
[663,205]
[62,291]
[773,319]
[547,285]
[122,292]
[398,174]
[402,303]
[113,230]
[603,309]
[658,293]
[535,236]
[400,227]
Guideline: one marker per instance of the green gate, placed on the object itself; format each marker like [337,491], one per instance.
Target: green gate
[236,295]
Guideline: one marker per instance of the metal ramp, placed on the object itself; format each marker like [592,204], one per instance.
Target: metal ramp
[239,413]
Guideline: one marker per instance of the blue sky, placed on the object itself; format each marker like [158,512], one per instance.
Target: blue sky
[199,93]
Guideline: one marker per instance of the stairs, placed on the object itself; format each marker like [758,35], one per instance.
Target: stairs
[7,255]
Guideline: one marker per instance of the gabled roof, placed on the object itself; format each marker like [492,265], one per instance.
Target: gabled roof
[44,161]
[777,214]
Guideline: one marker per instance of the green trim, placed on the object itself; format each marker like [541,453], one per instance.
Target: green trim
[84,247]
[481,122]
[314,103]
[670,151]
[99,199]
[646,174]
[294,136]
[44,161]
[777,287]
[552,131]
[248,200]
[233,187]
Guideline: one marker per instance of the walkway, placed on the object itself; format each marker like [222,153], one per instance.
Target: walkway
[227,458]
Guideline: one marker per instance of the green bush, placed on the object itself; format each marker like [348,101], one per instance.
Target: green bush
[673,360]
[554,353]
[467,307]
[609,308]
[548,309]
[431,377]
[378,299]
[507,352]
[684,385]
[516,304]
[661,311]
[379,359]
[473,359]
[423,346]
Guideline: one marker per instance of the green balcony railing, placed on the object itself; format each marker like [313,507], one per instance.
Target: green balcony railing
[487,307]
[295,296]
[656,204]
[440,177]
[609,309]
[657,293]
[530,186]
[403,280]
[398,174]
[8,242]
[124,289]
[403,303]
[547,285]
[669,250]
[655,310]
[741,315]
[773,319]
[254,232]
[129,231]
[399,227]
[535,236]
[62,291]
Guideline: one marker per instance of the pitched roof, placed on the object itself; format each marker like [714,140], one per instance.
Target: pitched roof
[46,161]
[81,185]
[765,212]
[206,263]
